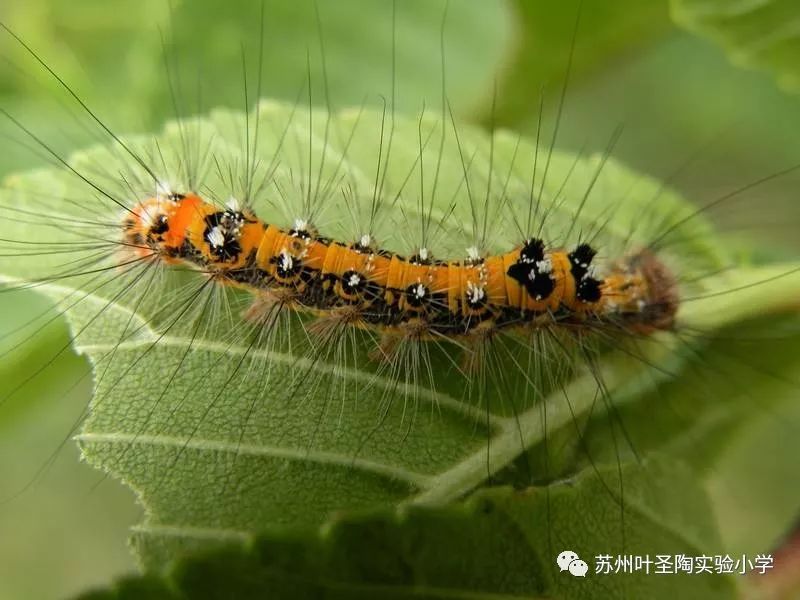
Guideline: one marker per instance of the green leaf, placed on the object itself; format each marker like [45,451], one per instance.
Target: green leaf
[725,427]
[222,433]
[351,68]
[546,37]
[761,34]
[498,544]
[115,56]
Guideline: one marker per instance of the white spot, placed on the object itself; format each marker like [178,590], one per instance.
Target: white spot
[545,265]
[532,275]
[301,225]
[365,241]
[233,204]
[286,260]
[419,291]
[591,272]
[475,293]
[354,280]
[216,237]
[423,254]
[640,304]
[473,253]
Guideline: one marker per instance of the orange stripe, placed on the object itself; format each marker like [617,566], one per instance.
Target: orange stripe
[264,254]
[180,220]
[196,228]
[440,282]
[395,275]
[353,261]
[454,291]
[249,241]
[315,253]
[496,288]
[380,270]
[465,275]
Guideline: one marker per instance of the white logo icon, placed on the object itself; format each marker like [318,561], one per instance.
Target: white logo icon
[570,561]
[578,568]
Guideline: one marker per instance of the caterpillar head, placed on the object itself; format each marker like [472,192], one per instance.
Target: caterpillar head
[155,227]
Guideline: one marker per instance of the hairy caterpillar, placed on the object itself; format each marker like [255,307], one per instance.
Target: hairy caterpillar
[418,296]
[333,180]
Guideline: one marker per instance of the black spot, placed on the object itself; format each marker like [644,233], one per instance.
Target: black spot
[527,271]
[532,251]
[416,259]
[417,294]
[476,302]
[228,224]
[303,234]
[348,286]
[587,288]
[580,259]
[361,248]
[161,226]
[293,268]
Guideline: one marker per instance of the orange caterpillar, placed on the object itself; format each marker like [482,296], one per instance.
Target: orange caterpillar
[416,296]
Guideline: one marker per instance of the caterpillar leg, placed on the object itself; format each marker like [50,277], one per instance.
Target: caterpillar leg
[476,347]
[393,340]
[331,323]
[267,305]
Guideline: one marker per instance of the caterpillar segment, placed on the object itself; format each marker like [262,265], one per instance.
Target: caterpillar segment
[399,297]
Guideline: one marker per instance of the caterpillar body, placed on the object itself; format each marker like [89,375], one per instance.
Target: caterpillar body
[418,296]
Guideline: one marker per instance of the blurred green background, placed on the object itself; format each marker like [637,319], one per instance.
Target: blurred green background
[676,95]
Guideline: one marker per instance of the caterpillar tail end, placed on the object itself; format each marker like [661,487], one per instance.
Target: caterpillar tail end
[643,292]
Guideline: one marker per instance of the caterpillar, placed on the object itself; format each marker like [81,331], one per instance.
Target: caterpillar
[420,296]
[284,294]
